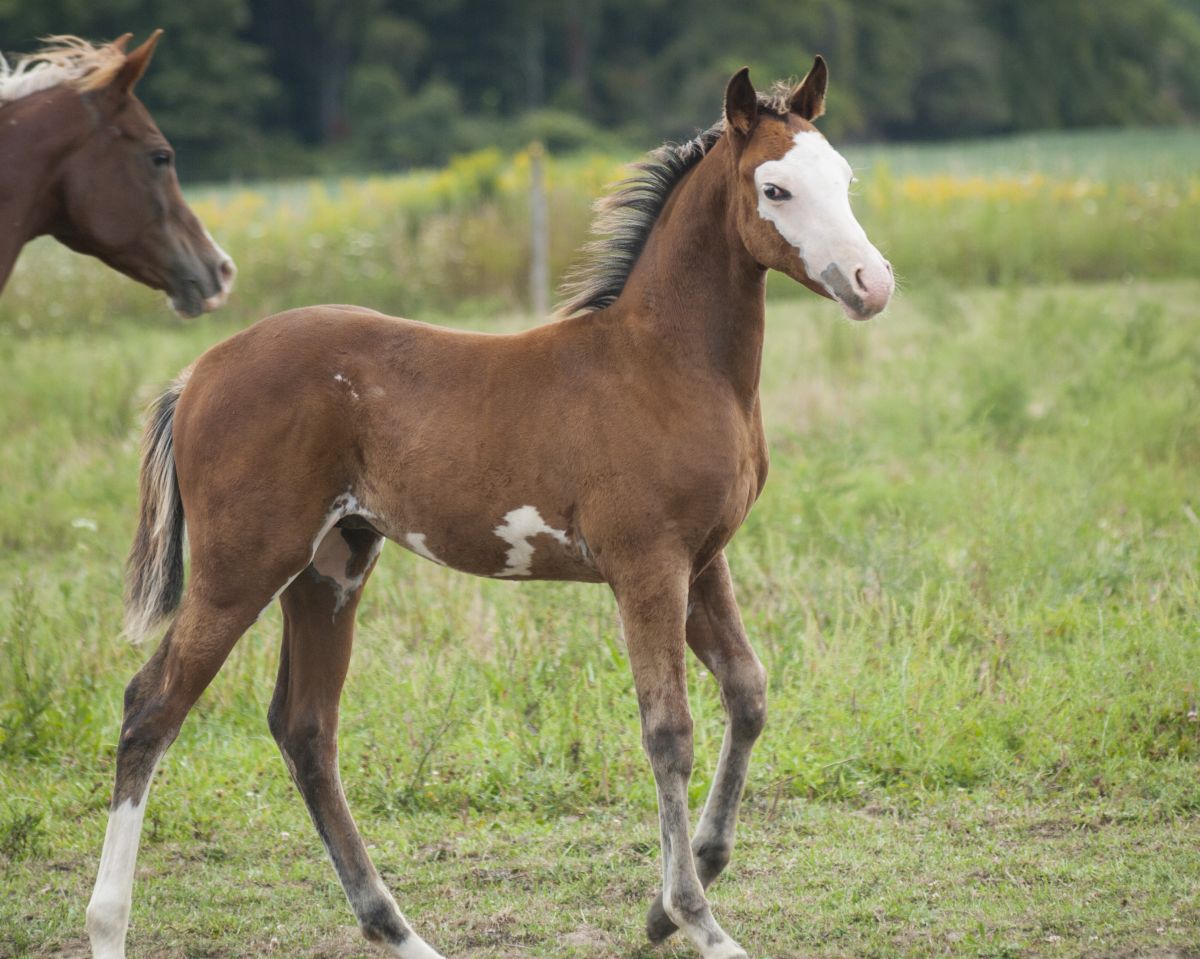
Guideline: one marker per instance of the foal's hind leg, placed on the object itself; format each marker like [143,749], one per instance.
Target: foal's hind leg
[716,635]
[156,702]
[318,611]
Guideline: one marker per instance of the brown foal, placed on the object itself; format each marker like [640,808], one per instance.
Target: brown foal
[622,444]
[82,160]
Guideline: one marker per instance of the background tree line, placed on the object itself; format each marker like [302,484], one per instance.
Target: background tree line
[260,88]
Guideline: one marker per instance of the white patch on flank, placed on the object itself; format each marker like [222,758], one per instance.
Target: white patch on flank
[519,526]
[416,542]
[342,507]
[108,910]
[332,561]
[340,378]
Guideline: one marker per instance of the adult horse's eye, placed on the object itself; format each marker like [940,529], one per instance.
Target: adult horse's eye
[777,193]
[161,158]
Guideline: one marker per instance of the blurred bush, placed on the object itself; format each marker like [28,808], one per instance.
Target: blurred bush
[456,241]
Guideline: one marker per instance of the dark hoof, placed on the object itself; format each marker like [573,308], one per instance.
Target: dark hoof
[658,924]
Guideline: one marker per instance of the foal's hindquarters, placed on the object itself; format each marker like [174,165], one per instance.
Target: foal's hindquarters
[291,472]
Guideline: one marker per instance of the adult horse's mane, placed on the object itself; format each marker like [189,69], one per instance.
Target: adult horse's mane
[62,60]
[626,216]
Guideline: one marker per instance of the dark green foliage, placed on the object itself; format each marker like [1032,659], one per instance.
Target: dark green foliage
[265,88]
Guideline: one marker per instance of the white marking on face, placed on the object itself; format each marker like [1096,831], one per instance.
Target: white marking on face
[519,526]
[817,219]
[340,378]
[416,542]
[108,910]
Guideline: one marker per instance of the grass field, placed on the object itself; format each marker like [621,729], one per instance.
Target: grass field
[973,578]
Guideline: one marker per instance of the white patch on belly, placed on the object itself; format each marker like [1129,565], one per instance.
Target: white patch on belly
[519,526]
[416,542]
[341,378]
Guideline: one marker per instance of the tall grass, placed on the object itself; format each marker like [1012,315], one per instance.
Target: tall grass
[975,563]
[456,241]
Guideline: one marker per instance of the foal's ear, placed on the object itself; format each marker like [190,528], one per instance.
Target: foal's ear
[741,103]
[808,99]
[122,40]
[135,64]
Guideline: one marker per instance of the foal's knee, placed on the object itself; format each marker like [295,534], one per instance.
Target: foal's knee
[669,746]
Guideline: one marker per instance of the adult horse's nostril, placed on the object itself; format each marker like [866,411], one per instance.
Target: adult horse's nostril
[860,278]
[227,271]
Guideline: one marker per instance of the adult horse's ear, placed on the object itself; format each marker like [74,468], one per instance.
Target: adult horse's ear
[741,103]
[122,40]
[808,99]
[135,64]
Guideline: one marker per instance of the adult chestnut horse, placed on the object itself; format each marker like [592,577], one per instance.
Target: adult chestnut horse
[621,445]
[82,160]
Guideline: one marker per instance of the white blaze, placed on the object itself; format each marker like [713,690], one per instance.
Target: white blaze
[817,220]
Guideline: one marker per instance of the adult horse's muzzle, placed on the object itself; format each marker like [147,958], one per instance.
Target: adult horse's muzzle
[202,284]
[866,291]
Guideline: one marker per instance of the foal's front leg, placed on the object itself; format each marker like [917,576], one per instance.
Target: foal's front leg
[716,635]
[653,610]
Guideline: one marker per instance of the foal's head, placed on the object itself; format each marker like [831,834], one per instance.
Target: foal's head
[793,207]
[120,198]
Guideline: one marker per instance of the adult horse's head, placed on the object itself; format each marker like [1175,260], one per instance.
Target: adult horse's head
[118,197]
[793,208]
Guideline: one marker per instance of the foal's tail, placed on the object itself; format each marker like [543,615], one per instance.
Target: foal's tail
[154,571]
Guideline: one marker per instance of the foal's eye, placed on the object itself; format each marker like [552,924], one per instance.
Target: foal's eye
[161,158]
[777,193]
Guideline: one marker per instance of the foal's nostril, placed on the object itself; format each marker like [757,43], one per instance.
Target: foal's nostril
[859,279]
[226,271]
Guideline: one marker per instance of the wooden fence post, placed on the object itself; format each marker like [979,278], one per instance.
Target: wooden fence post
[539,225]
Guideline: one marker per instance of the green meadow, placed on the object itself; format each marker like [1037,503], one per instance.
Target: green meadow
[974,578]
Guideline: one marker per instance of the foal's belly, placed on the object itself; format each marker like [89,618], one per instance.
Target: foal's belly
[504,541]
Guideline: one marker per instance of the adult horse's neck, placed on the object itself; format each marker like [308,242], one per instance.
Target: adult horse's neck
[695,292]
[37,132]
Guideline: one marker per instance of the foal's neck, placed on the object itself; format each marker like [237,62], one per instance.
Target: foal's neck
[37,132]
[694,290]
